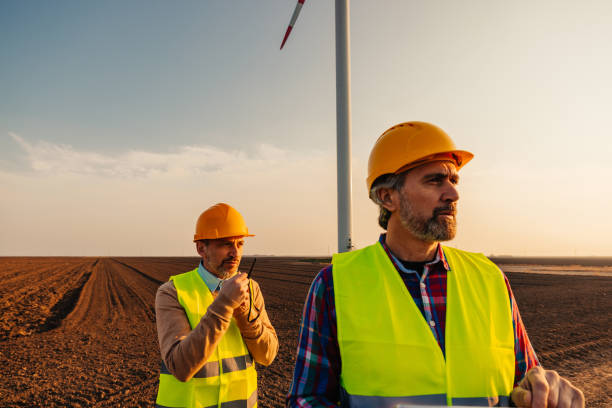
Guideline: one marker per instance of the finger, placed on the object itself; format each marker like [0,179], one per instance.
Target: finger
[578,400]
[569,396]
[521,397]
[241,277]
[242,286]
[554,386]
[563,402]
[246,284]
[539,387]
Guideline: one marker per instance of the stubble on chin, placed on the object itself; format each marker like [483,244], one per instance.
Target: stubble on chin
[433,229]
[223,275]
[227,273]
[442,229]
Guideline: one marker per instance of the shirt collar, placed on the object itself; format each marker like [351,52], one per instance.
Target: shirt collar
[440,257]
[211,281]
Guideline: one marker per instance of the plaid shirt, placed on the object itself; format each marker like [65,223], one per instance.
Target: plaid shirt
[316,378]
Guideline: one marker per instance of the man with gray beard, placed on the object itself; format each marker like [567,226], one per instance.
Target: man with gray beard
[408,321]
[212,323]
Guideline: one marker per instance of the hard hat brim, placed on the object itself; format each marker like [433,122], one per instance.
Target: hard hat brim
[201,237]
[459,157]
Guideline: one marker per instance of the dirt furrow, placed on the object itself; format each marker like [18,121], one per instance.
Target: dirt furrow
[160,269]
[91,306]
[576,350]
[114,292]
[67,303]
[16,271]
[21,288]
[136,287]
[41,304]
[157,282]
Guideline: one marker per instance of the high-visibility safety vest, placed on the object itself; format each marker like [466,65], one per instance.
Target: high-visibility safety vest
[390,356]
[228,379]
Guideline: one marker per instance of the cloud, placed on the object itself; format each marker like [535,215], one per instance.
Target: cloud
[143,202]
[60,159]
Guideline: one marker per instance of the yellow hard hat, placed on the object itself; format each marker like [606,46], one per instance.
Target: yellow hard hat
[220,221]
[409,145]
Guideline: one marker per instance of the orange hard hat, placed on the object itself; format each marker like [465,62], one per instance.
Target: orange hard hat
[409,145]
[220,221]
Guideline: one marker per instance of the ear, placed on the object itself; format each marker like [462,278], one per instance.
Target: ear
[389,197]
[200,248]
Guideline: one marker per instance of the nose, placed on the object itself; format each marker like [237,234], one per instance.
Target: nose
[450,194]
[233,252]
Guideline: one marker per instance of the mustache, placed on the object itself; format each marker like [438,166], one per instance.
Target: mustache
[450,208]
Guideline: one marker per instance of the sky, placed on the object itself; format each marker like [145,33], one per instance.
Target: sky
[120,122]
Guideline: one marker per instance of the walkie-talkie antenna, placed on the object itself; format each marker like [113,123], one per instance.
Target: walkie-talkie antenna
[251,270]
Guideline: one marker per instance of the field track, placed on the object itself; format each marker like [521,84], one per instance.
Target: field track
[81,331]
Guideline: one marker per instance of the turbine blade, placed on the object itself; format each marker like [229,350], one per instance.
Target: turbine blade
[286,36]
[296,13]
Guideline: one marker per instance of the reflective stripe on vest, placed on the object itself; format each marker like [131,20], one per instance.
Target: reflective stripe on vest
[228,379]
[211,369]
[416,401]
[248,403]
[388,351]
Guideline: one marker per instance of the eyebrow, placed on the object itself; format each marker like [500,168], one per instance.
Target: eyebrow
[441,176]
[226,242]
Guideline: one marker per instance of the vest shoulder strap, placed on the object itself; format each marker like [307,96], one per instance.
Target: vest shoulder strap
[183,278]
[474,261]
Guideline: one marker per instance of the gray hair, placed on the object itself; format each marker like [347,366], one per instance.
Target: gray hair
[391,181]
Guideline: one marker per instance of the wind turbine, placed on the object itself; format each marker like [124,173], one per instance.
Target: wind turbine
[343,118]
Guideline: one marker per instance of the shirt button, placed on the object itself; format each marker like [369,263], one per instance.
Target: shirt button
[432,323]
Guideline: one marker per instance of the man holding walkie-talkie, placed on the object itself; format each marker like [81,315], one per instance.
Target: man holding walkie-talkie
[212,323]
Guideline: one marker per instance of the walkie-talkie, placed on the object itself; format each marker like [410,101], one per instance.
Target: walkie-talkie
[251,270]
[251,305]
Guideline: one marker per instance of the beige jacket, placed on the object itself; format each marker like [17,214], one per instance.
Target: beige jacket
[185,351]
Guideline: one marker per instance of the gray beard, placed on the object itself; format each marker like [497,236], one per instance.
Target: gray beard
[224,275]
[427,229]
[215,271]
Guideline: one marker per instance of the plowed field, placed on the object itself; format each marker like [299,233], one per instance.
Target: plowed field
[81,331]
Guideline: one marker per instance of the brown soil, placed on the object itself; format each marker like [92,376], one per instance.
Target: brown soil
[81,331]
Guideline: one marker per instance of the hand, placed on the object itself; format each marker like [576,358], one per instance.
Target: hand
[243,309]
[236,289]
[546,389]
[241,312]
